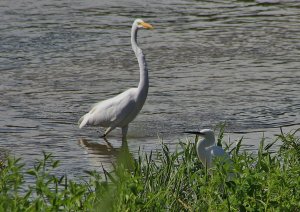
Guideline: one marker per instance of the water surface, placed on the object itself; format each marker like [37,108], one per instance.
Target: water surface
[209,62]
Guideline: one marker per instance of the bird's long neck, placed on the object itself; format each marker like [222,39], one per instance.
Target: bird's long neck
[202,144]
[144,81]
[201,151]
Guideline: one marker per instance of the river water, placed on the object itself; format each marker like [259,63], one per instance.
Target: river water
[209,62]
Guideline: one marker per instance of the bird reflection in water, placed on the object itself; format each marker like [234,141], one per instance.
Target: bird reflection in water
[106,150]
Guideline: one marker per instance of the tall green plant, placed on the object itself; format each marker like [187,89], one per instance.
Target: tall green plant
[164,180]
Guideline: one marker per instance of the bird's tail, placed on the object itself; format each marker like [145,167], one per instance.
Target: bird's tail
[83,120]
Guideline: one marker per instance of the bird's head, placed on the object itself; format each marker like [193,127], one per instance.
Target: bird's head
[142,25]
[207,134]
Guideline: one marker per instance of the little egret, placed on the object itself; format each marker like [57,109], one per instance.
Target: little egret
[206,149]
[120,110]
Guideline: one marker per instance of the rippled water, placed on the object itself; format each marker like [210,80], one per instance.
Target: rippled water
[209,62]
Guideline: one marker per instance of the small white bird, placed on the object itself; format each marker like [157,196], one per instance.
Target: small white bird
[120,110]
[206,148]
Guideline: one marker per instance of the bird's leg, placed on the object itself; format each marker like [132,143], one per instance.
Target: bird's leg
[106,132]
[125,157]
[107,142]
[100,134]
[124,133]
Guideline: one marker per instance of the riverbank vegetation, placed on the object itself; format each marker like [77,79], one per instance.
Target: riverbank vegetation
[164,180]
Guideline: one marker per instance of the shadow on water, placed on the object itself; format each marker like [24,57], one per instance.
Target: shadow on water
[98,148]
[108,151]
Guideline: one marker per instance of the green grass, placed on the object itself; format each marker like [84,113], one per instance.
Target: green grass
[164,181]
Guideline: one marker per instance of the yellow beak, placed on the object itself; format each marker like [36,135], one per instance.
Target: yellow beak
[146,25]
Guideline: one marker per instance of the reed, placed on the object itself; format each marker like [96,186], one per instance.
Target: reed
[164,180]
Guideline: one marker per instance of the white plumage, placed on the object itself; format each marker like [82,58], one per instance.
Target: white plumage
[120,110]
[206,148]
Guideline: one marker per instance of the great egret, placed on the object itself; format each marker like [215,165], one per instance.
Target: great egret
[206,149]
[120,110]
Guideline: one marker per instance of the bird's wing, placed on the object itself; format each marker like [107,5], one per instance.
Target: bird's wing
[217,151]
[219,154]
[112,110]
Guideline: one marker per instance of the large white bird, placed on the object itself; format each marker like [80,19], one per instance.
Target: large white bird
[206,148]
[120,110]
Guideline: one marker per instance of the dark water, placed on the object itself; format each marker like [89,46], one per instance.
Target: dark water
[209,62]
